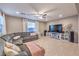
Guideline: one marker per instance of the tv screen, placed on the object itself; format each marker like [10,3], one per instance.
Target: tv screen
[55,28]
[59,27]
[51,28]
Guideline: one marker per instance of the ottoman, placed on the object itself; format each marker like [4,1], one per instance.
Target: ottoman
[35,49]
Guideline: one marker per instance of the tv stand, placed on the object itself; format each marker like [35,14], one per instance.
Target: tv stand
[64,36]
[55,35]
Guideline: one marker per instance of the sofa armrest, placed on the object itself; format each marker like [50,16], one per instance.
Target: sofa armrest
[25,49]
[23,53]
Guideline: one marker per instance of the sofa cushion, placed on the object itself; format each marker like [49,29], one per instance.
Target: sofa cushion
[25,48]
[22,34]
[2,44]
[23,53]
[18,34]
[17,41]
[8,37]
[25,34]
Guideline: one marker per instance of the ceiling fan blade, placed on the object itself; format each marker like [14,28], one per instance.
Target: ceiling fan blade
[51,10]
[32,14]
[49,16]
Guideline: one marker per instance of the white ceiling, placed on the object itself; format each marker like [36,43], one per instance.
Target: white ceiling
[53,10]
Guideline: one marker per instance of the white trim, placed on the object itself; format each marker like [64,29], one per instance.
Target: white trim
[4,24]
[24,25]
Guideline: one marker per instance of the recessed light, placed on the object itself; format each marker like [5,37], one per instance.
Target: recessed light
[17,12]
[60,15]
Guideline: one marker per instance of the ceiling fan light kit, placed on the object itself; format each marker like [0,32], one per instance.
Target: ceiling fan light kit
[60,15]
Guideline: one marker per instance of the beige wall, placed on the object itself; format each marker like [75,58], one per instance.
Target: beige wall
[42,27]
[78,28]
[70,20]
[13,24]
[0,14]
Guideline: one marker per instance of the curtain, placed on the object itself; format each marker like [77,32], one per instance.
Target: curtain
[2,25]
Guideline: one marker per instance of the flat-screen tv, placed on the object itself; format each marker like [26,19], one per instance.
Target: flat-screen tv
[55,28]
[51,28]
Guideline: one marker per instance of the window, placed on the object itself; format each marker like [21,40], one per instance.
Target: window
[1,24]
[31,27]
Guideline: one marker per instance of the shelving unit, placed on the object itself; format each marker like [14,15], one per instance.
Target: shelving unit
[62,36]
[56,35]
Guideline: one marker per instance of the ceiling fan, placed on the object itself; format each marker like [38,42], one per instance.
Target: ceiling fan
[43,15]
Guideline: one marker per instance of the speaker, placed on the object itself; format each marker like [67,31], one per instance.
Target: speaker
[72,36]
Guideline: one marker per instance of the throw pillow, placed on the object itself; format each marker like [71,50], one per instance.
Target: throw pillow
[16,37]
[12,46]
[18,41]
[32,34]
[10,52]
[8,45]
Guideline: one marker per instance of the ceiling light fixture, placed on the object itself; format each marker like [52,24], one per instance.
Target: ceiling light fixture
[40,17]
[60,15]
[17,12]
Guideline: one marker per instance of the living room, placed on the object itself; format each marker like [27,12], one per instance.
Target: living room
[38,20]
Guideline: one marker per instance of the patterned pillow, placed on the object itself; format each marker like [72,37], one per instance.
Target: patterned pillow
[10,52]
[12,46]
[16,37]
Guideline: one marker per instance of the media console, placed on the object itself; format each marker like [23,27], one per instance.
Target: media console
[63,36]
[55,35]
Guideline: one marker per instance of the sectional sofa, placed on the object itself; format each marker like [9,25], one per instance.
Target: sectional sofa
[24,41]
[25,36]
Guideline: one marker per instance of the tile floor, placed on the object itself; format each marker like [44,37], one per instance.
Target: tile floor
[54,47]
